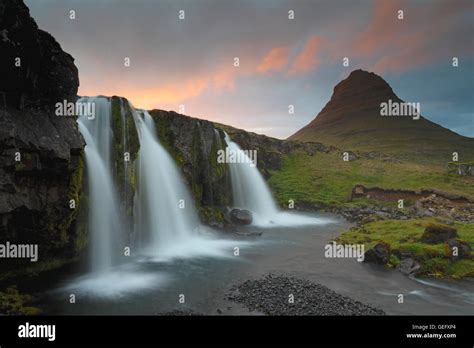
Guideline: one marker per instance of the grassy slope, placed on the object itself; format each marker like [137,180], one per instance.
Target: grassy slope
[326,179]
[404,236]
[423,142]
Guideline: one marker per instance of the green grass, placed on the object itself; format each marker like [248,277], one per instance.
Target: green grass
[326,179]
[404,236]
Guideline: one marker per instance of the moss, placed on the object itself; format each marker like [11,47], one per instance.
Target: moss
[211,214]
[197,191]
[393,261]
[125,140]
[12,302]
[404,235]
[219,169]
[76,182]
[437,227]
[61,229]
[460,269]
[166,136]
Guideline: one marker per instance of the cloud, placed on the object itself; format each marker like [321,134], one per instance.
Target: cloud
[422,37]
[307,60]
[275,60]
[168,94]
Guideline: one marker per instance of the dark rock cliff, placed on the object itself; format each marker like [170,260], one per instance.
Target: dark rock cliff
[41,165]
[35,70]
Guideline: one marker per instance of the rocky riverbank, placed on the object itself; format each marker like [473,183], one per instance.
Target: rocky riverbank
[282,295]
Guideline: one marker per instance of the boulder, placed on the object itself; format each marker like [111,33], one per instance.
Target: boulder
[438,233]
[241,216]
[379,254]
[458,249]
[408,266]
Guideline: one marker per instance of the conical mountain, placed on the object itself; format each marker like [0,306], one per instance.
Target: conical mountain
[352,120]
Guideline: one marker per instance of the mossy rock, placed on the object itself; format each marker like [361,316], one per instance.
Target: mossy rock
[438,233]
[458,249]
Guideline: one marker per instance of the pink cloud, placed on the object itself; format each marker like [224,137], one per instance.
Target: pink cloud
[307,59]
[422,37]
[275,60]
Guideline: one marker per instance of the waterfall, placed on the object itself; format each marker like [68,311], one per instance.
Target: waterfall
[249,188]
[167,213]
[103,217]
[251,192]
[165,217]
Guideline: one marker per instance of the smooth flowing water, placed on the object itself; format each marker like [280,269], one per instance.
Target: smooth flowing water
[168,215]
[297,251]
[103,217]
[251,192]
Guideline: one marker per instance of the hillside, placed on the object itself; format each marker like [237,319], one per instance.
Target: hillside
[351,120]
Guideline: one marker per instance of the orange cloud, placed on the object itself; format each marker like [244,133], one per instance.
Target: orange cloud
[168,94]
[400,45]
[385,28]
[308,59]
[275,60]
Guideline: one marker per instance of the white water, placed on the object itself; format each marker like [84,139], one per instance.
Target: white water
[167,211]
[170,229]
[165,216]
[103,219]
[251,192]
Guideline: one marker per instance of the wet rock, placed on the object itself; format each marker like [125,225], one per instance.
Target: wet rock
[241,216]
[249,233]
[438,233]
[458,249]
[408,266]
[378,255]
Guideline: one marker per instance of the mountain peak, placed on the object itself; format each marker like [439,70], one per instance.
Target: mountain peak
[362,84]
[352,120]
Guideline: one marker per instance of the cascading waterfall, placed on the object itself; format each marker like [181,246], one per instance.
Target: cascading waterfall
[249,188]
[251,192]
[103,219]
[167,213]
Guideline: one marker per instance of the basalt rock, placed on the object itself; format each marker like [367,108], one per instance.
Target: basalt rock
[194,145]
[458,249]
[34,70]
[438,233]
[241,216]
[408,266]
[41,164]
[378,255]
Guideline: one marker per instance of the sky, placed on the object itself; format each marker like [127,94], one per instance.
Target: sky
[189,64]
